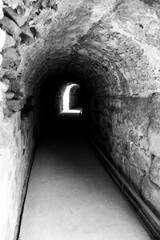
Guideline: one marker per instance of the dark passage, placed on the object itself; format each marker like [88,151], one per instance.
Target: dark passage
[70,195]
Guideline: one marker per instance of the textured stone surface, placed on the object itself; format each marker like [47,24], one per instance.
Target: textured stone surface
[141,160]
[155,171]
[154,142]
[10,42]
[154,126]
[18,18]
[136,177]
[151,194]
[10,95]
[10,27]
[15,105]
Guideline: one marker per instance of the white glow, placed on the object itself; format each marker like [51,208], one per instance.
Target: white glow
[66,100]
[72,111]
[66,97]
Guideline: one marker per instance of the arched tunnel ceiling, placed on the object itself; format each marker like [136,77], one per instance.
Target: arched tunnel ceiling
[120,37]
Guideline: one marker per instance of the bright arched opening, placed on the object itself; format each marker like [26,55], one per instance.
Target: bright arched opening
[66,108]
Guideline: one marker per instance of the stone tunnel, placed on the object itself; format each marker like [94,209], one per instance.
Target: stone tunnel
[111,49]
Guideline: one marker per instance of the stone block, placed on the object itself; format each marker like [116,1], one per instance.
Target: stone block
[3,86]
[26,30]
[144,143]
[10,42]
[20,20]
[10,95]
[7,112]
[136,177]
[155,171]
[15,105]
[11,27]
[133,137]
[141,160]
[154,141]
[154,112]
[15,87]
[11,54]
[151,194]
[11,59]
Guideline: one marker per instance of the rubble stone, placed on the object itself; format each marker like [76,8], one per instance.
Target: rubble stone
[19,19]
[11,27]
[15,105]
[10,42]
[9,95]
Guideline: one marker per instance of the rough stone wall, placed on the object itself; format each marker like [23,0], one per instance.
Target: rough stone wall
[16,135]
[17,144]
[123,132]
[127,128]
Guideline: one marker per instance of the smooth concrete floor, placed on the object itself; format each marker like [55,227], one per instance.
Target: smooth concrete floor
[71,196]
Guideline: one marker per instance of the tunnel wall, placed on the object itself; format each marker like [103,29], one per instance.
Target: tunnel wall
[17,145]
[127,128]
[127,132]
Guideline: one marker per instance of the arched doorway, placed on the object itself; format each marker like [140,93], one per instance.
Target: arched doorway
[71,99]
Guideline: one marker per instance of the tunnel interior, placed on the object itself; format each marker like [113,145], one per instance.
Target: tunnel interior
[60,93]
[110,49]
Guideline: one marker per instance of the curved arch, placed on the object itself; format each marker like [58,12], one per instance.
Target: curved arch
[66,98]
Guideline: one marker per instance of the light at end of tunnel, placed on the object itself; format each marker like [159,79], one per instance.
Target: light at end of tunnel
[66,101]
[72,111]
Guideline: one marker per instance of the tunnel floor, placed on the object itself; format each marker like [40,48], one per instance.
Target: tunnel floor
[71,196]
